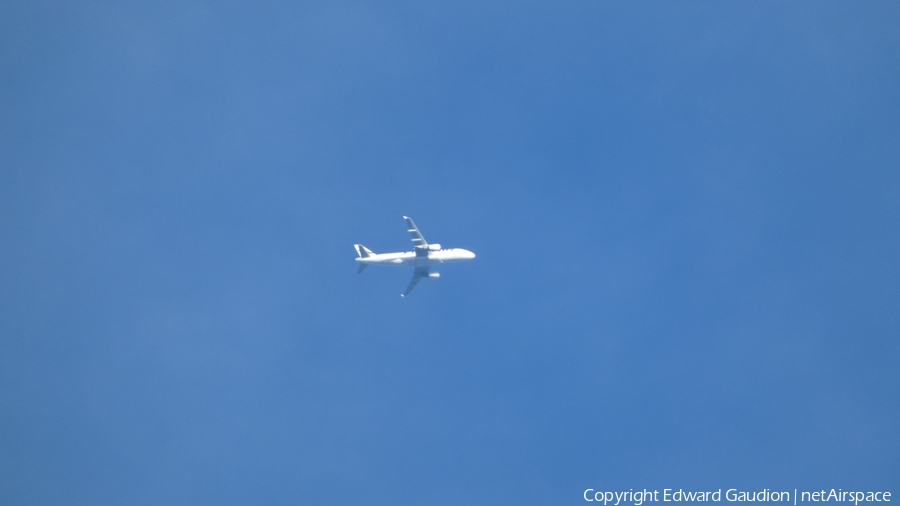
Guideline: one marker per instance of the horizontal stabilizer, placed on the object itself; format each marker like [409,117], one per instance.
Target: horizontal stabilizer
[362,267]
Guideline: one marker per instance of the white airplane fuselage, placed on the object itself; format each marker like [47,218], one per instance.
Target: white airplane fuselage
[409,258]
[421,259]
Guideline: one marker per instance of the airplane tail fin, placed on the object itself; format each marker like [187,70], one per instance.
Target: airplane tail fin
[363,251]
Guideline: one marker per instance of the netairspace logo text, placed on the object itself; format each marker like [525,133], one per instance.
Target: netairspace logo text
[639,497]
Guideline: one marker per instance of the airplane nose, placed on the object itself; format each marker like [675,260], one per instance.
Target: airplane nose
[470,255]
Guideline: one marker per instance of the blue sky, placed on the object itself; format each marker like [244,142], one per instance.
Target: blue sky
[686,215]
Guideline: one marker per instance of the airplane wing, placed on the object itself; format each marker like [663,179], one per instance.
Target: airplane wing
[420,273]
[417,239]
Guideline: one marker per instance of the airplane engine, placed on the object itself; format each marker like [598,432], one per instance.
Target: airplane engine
[434,247]
[434,274]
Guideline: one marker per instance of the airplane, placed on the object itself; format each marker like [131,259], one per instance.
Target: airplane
[422,258]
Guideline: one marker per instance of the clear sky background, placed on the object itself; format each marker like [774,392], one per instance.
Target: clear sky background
[686,216]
